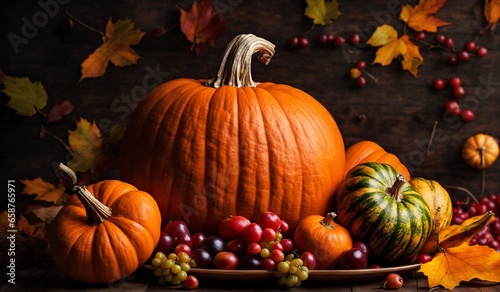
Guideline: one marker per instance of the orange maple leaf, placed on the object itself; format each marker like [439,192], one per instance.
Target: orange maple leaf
[421,17]
[45,191]
[117,40]
[462,263]
[412,58]
[201,25]
[492,12]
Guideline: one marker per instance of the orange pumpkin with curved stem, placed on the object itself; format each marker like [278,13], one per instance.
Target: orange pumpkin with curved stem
[480,151]
[206,150]
[104,232]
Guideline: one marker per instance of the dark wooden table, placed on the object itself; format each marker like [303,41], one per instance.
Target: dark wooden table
[399,110]
[53,280]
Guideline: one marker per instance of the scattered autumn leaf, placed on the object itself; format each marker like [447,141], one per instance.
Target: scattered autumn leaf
[201,25]
[116,48]
[390,46]
[421,17]
[45,191]
[58,111]
[26,97]
[492,12]
[454,235]
[462,263]
[86,145]
[412,58]
[45,214]
[33,230]
[322,12]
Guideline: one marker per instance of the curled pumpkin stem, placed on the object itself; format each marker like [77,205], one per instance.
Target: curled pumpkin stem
[235,66]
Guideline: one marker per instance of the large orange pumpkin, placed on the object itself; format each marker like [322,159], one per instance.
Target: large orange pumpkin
[104,232]
[230,146]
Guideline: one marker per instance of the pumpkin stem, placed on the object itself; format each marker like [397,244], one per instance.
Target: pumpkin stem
[97,212]
[395,190]
[328,220]
[235,66]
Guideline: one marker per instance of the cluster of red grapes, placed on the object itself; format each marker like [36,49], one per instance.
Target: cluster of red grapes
[452,107]
[490,234]
[325,39]
[239,244]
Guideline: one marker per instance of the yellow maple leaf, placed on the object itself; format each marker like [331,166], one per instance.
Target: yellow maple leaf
[26,97]
[412,58]
[492,12]
[421,17]
[44,191]
[86,145]
[322,12]
[462,263]
[386,37]
[116,48]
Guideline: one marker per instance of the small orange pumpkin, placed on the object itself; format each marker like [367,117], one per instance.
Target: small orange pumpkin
[104,232]
[480,151]
[325,238]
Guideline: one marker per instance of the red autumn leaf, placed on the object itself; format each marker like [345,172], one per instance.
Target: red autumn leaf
[201,25]
[58,111]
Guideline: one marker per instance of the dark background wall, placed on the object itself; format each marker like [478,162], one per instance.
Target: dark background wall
[400,110]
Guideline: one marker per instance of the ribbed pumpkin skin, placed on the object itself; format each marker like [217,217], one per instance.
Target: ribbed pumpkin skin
[394,230]
[439,202]
[114,249]
[206,153]
[327,240]
[368,151]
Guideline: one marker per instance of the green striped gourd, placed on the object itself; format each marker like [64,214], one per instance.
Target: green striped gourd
[378,206]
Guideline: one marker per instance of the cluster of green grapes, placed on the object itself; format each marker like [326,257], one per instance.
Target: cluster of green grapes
[173,269]
[291,272]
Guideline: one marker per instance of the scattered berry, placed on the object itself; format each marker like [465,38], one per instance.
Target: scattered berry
[354,39]
[448,43]
[481,52]
[467,115]
[322,39]
[361,65]
[452,60]
[294,41]
[455,81]
[393,281]
[463,56]
[452,108]
[438,84]
[303,42]
[330,37]
[420,36]
[339,41]
[360,81]
[440,39]
[470,46]
[458,91]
